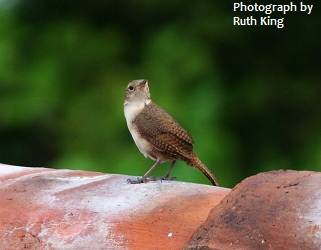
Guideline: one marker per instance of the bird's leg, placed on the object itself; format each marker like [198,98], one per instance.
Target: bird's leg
[145,176]
[151,169]
[166,177]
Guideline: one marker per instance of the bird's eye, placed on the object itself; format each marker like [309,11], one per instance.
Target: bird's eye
[130,88]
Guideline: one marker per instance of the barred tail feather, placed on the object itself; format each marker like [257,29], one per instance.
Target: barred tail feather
[195,162]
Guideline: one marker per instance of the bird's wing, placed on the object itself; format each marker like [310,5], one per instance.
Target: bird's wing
[163,132]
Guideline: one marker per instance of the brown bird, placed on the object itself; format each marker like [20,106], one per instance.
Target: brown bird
[156,133]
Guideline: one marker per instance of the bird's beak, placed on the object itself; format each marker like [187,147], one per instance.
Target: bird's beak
[143,83]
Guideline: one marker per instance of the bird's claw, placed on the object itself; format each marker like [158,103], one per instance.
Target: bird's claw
[148,179]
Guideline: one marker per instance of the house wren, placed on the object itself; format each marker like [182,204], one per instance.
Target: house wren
[156,133]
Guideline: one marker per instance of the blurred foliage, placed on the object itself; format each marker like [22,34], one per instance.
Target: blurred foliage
[250,96]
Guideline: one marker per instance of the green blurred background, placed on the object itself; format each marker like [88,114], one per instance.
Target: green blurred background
[249,96]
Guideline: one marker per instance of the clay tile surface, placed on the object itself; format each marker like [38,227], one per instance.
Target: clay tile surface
[66,209]
[274,210]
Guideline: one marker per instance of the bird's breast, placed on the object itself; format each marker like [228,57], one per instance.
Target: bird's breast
[143,145]
[131,111]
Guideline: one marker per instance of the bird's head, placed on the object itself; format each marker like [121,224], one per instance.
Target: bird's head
[137,91]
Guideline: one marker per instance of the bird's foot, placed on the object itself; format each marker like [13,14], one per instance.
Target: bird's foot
[138,181]
[168,178]
[148,179]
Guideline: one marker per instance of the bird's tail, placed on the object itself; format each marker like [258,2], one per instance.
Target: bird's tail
[195,162]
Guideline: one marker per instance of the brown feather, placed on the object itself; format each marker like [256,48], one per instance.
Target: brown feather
[163,132]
